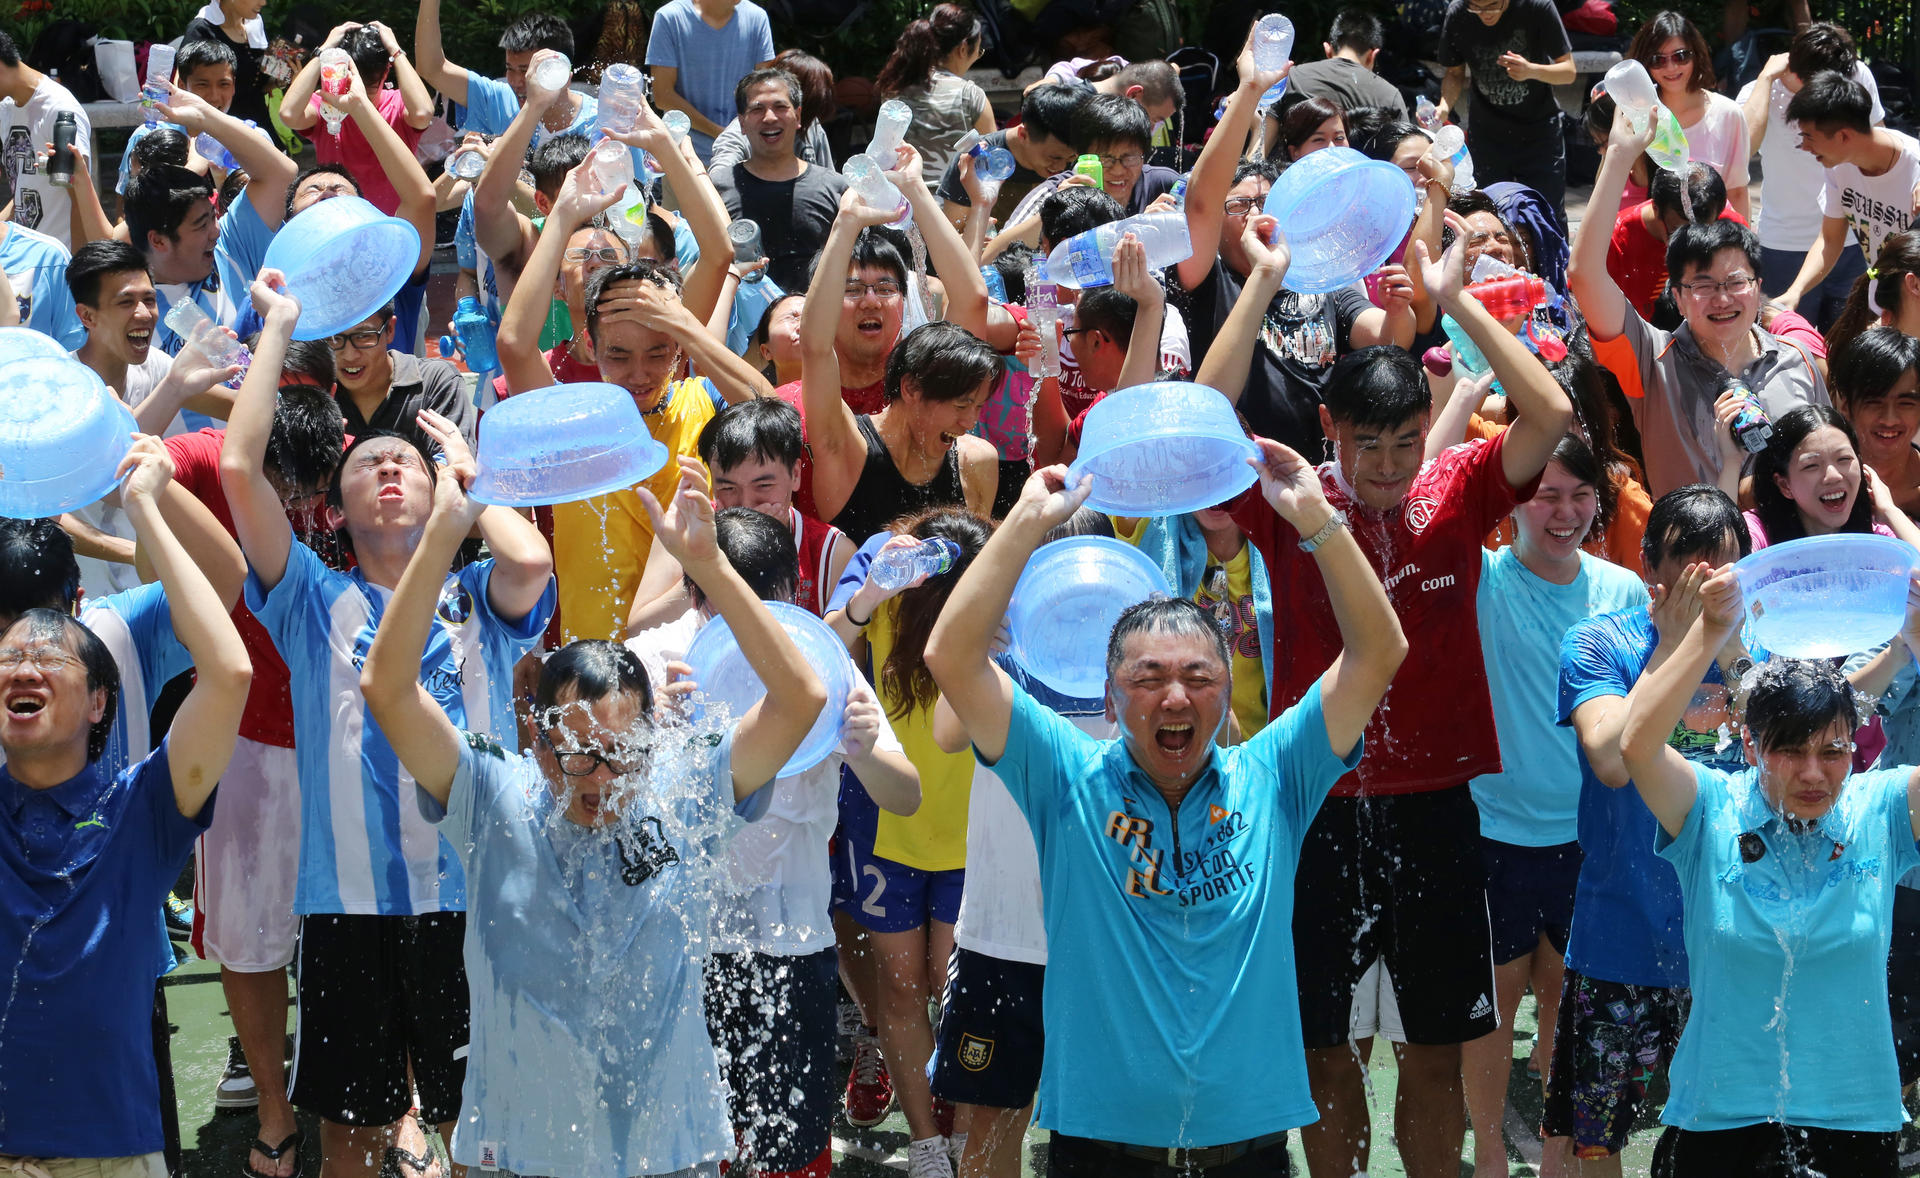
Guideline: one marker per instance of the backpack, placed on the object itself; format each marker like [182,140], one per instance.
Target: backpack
[65,48]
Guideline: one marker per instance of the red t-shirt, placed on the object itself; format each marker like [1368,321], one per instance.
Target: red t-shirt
[350,147]
[1637,260]
[1434,729]
[863,399]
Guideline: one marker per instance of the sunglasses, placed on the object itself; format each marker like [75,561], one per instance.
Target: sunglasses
[1677,57]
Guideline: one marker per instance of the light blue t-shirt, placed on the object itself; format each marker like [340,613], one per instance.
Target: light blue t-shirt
[36,268]
[710,61]
[492,105]
[1534,801]
[1180,924]
[1787,938]
[361,850]
[589,1053]
[223,294]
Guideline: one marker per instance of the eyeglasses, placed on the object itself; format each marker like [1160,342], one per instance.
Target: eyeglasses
[42,657]
[1240,206]
[582,763]
[1073,331]
[359,339]
[1132,159]
[1735,285]
[606,253]
[1677,57]
[885,291]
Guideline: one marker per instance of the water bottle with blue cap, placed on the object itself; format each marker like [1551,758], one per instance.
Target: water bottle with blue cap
[475,329]
[992,164]
[1086,259]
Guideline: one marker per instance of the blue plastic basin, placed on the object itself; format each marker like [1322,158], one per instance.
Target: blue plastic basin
[62,436]
[344,260]
[562,443]
[1826,596]
[1342,214]
[1163,449]
[1065,604]
[725,677]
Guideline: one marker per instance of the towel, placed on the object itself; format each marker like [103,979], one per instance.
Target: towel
[256,28]
[1177,545]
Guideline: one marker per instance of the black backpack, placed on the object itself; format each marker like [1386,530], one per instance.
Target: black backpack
[65,49]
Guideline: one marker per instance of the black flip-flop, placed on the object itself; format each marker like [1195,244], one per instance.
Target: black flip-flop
[396,1157]
[273,1153]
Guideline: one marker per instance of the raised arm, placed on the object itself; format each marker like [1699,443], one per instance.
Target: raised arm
[1827,249]
[947,253]
[660,309]
[269,172]
[441,74]
[700,204]
[773,728]
[201,741]
[1231,357]
[413,89]
[397,160]
[832,433]
[518,340]
[258,517]
[1450,423]
[498,228]
[522,562]
[1760,98]
[1592,287]
[1658,702]
[886,774]
[1212,175]
[1132,278]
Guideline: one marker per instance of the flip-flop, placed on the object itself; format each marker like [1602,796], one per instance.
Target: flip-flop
[417,1166]
[274,1153]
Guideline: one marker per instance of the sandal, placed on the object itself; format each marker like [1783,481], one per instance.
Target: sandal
[274,1153]
[417,1166]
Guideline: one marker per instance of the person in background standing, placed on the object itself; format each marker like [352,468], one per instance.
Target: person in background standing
[1518,51]
[698,50]
[407,109]
[927,72]
[1345,76]
[1677,58]
[30,102]
[237,25]
[492,102]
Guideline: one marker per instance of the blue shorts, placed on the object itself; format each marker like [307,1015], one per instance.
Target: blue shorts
[1529,894]
[883,896]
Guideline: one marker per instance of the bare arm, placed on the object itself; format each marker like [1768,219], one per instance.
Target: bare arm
[1826,251]
[206,543]
[700,203]
[886,774]
[1131,277]
[1213,172]
[832,433]
[403,169]
[1231,357]
[518,340]
[414,94]
[258,517]
[269,172]
[1592,287]
[94,544]
[441,74]
[947,253]
[522,563]
[1659,700]
[1453,83]
[1449,426]
[1760,99]
[498,228]
[666,93]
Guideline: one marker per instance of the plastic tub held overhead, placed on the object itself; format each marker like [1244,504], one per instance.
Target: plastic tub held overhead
[1826,596]
[344,260]
[62,436]
[1342,214]
[562,443]
[1163,449]
[1065,604]
[724,676]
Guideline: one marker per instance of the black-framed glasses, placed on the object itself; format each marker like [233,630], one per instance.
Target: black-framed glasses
[1677,57]
[583,763]
[1240,206]
[885,290]
[1073,331]
[360,339]
[1132,159]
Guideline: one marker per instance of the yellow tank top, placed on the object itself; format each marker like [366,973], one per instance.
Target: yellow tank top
[934,837]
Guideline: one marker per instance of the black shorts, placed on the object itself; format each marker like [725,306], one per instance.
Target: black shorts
[773,1022]
[1390,929]
[1529,892]
[987,1049]
[1903,982]
[1771,1150]
[377,994]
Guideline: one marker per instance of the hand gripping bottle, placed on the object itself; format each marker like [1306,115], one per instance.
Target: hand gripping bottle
[622,92]
[1272,45]
[870,181]
[747,247]
[159,73]
[1637,99]
[1751,426]
[198,331]
[1086,259]
[476,335]
[554,73]
[336,78]
[896,568]
[1450,144]
[991,164]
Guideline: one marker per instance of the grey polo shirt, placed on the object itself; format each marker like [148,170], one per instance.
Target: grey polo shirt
[417,384]
[1671,386]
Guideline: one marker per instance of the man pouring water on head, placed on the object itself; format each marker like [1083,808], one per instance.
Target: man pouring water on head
[1167,861]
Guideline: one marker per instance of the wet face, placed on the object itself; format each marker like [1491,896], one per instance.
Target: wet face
[638,359]
[589,251]
[188,255]
[1486,235]
[321,186]
[1379,462]
[870,311]
[1100,357]
[1666,571]
[1121,162]
[1887,423]
[1554,523]
[1332,133]
[360,360]
[1243,200]
[1822,480]
[771,122]
[516,73]
[583,749]
[1169,695]
[1720,301]
[1408,155]
[782,348]
[937,424]
[385,485]
[213,83]
[122,322]
[1804,781]
[48,707]
[761,483]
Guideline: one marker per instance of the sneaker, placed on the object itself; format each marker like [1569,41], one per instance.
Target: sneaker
[956,1146]
[869,1088]
[236,1089]
[846,1030]
[179,917]
[928,1159]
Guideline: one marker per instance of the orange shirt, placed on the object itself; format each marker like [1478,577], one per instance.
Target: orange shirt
[1619,542]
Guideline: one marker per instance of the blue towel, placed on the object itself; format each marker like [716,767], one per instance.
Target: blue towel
[1177,545]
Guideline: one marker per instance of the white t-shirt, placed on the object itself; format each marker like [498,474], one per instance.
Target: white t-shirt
[101,577]
[38,203]
[1875,206]
[1719,138]
[1789,217]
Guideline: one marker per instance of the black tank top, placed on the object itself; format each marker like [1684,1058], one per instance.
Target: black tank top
[883,494]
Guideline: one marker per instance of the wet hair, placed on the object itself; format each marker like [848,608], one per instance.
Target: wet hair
[1266,169]
[1883,286]
[311,358]
[642,270]
[904,681]
[816,84]
[946,362]
[1112,119]
[1466,204]
[1048,109]
[554,158]
[103,674]
[876,248]
[1831,101]
[1690,523]
[198,55]
[537,30]
[1665,26]
[1075,208]
[1819,47]
[1303,119]
[1705,189]
[311,170]
[308,434]
[1792,701]
[1381,386]
[763,330]
[1867,366]
[91,264]
[760,548]
[1356,29]
[421,446]
[1085,521]
[162,145]
[159,199]
[1779,516]
[1380,140]
[589,670]
[41,570]
[757,78]
[1179,616]
[766,428]
[1107,310]
[1695,247]
[1578,459]
[925,43]
[369,54]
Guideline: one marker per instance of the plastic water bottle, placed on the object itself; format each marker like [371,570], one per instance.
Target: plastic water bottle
[198,331]
[476,334]
[1632,90]
[896,568]
[1669,146]
[554,73]
[336,78]
[1043,311]
[747,247]
[215,152]
[1426,114]
[623,91]
[1468,359]
[1751,426]
[467,164]
[1086,259]
[1179,191]
[996,284]
[1450,144]
[678,124]
[890,131]
[1272,46]
[992,164]
[159,73]
[613,171]
[867,178]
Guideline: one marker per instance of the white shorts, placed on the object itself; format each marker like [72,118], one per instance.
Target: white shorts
[248,862]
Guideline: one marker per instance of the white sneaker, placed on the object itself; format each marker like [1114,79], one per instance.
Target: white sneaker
[928,1159]
[236,1088]
[956,1145]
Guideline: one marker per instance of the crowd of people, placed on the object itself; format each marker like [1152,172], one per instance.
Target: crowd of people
[1450,706]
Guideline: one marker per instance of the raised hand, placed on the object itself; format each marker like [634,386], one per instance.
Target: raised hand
[685,524]
[458,469]
[1721,604]
[863,214]
[579,199]
[1674,607]
[1131,277]
[1266,244]
[147,468]
[1291,485]
[271,296]
[1445,276]
[1048,496]
[860,723]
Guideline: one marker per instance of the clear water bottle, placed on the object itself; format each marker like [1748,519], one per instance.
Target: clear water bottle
[623,91]
[868,179]
[1669,147]
[991,164]
[554,73]
[1272,46]
[896,568]
[1450,144]
[678,124]
[215,152]
[1426,114]
[1043,311]
[159,73]
[467,164]
[747,247]
[336,78]
[198,331]
[613,171]
[476,334]
[1632,90]
[1086,259]
[890,131]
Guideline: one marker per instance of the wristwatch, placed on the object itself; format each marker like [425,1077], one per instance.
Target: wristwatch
[1337,520]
